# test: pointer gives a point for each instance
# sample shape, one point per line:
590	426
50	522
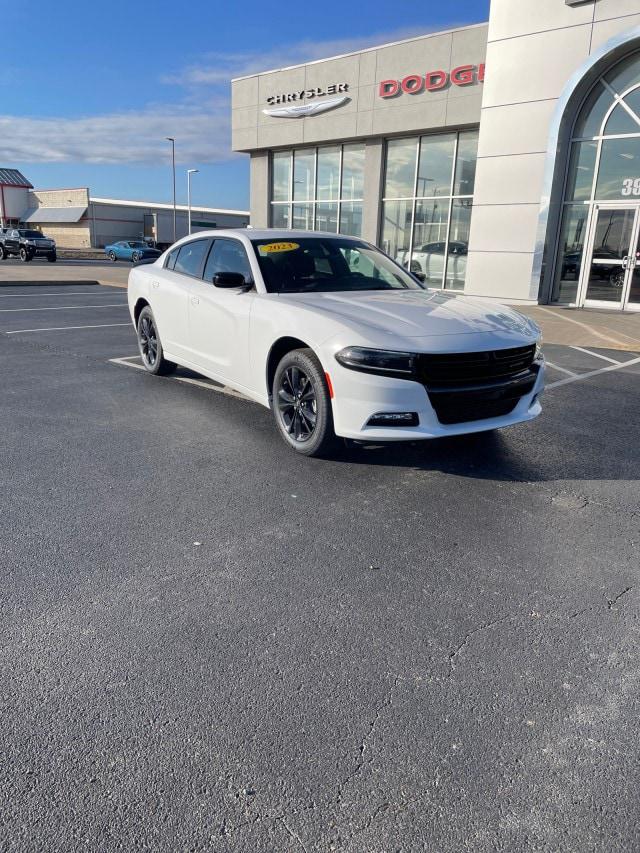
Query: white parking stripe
559	369
64	328
64	293
200	383
593	373
62	308
597	355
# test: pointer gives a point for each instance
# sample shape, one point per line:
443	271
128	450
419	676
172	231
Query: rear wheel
3	254
112	256
301	404
150	345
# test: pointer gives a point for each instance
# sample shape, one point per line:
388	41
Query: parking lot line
580	377
597	355
127	361
61	308
62	295
560	369
64	328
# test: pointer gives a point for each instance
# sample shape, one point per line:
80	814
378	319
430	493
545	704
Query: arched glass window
604	165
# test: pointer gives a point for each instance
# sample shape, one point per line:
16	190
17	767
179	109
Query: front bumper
358	396
41	251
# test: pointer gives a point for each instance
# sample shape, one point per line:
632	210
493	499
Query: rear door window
191	257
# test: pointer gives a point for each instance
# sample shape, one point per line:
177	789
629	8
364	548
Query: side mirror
229	279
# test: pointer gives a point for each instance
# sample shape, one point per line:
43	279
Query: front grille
474	386
467	367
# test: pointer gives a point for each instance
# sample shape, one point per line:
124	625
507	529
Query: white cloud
202	136
200	120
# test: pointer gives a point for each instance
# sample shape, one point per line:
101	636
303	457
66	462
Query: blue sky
90	90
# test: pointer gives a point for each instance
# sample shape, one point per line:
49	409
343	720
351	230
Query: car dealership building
501	159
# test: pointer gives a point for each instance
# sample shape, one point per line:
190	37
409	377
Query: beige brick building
77	220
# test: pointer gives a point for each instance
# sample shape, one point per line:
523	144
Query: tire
150	346
301	404
112	257
135	257
52	258
25	256
3	254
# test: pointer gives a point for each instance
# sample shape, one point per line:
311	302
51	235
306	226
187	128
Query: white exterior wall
535	47
15	200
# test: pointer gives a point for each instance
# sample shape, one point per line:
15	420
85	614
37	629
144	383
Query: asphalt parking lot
210	643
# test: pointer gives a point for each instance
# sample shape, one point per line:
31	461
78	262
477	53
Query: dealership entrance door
611	276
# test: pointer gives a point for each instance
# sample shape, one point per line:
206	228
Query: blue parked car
131	250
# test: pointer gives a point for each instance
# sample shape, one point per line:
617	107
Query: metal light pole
173	166
189	173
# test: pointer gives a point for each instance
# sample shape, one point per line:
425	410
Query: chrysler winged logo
308	109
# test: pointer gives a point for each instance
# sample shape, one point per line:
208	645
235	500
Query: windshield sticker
271	248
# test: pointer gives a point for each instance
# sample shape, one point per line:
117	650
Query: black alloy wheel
297	403
52	258
302	405
150	346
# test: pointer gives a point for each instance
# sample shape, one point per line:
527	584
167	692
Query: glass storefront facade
427	203
602	194
319	188
424	213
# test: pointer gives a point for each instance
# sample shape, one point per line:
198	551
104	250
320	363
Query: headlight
538	353
387	362
30	242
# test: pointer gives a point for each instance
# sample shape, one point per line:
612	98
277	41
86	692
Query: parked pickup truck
26	245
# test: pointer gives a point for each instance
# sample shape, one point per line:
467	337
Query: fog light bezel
393	420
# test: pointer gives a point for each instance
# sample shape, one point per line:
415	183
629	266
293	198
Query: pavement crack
484	627
613	601
362	748
293	834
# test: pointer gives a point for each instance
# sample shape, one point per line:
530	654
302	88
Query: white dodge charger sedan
335	338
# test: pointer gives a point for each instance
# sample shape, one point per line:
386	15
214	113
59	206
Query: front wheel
135	257
150	345
52	258
25	256
302	405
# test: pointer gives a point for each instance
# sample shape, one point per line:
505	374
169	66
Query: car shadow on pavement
497	455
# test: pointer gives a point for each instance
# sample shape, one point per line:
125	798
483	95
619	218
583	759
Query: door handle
195	300
155	284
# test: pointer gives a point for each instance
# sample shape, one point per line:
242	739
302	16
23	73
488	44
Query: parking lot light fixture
189	173
172	140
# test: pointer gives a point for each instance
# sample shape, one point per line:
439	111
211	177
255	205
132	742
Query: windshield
30	233
321	264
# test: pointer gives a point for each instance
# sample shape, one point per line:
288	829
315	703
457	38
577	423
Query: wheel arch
137	308
278	350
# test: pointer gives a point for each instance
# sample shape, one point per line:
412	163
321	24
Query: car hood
416	313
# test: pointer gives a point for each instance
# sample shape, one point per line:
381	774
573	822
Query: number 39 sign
631	186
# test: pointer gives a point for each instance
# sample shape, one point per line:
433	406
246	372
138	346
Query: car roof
269	234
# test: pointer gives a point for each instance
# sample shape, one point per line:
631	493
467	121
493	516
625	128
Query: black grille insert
468	367
474	386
